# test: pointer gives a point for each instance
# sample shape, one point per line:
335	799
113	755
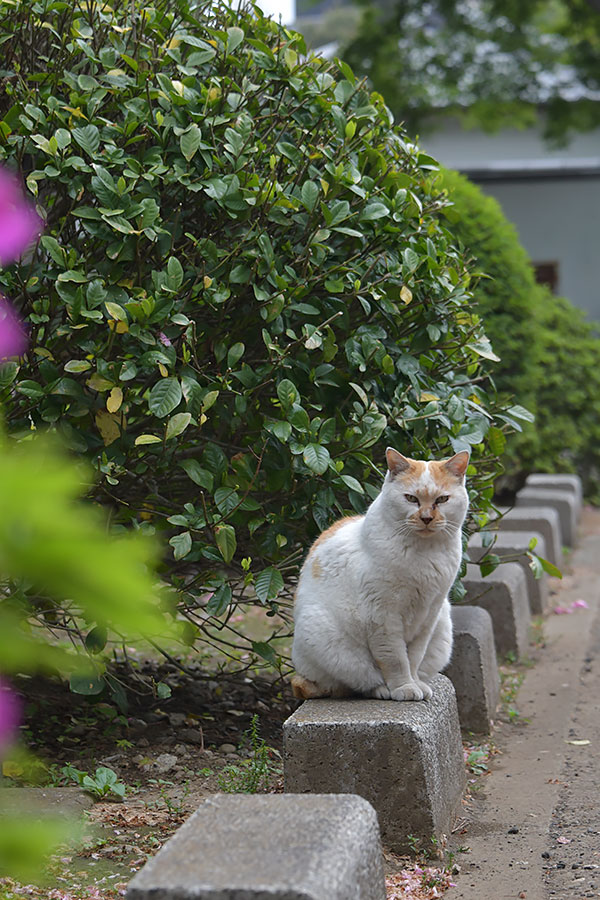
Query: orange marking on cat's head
325	535
399	465
446	472
316	569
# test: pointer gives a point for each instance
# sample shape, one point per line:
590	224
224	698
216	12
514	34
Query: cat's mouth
427	530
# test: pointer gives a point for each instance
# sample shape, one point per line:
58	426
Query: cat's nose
426	519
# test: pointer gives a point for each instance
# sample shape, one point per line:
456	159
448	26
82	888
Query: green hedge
246	288
550	356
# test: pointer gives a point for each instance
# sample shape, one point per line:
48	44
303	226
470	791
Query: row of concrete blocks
360	771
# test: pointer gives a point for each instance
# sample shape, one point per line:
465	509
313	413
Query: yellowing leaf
174	43
207	281
12	769
76	112
98	383
109	426
116	311
406	294
163	370
147	439
177	424
426	397
290	58
122	327
324	186
115	398
209	400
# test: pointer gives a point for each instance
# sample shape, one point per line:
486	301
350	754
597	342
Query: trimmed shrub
245	289
549	355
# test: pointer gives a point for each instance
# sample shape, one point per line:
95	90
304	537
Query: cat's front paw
408	691
427	692
381	692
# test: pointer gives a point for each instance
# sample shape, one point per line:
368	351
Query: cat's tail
304	689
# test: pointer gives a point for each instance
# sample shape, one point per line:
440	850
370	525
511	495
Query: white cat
372	615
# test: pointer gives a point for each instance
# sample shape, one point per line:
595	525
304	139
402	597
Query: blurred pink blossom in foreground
19	226
19	222
13	339
10	715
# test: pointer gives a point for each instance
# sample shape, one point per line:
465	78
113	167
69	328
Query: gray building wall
551	195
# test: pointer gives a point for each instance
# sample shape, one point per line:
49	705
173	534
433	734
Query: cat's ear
397	464
457	465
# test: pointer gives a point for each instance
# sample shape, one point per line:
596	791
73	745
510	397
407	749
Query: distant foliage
245	289
550	356
490	63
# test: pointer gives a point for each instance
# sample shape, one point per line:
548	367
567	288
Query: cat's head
427	498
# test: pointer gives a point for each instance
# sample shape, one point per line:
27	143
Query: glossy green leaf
164	397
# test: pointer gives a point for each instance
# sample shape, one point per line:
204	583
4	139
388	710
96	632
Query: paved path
534	825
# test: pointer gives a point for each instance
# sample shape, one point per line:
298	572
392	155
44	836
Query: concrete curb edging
503	593
541	519
564	502
473	669
515	543
562	481
269	847
406	759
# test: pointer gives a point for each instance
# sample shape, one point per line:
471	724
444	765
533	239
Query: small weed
175	807
104	784
253	774
414	843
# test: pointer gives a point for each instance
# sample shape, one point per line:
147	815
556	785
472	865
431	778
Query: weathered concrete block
269	847
514	544
564	503
562	481
473	669
503	593
541	519
406	759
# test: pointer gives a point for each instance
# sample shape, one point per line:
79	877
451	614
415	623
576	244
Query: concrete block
406	759
269	847
503	593
473	669
564	502
541	519
514	544
561	481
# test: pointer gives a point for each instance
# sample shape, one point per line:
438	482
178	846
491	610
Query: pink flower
164	339
19	222
13	338
10	715
562	611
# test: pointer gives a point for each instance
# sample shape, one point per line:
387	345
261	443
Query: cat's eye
443	499
411	498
